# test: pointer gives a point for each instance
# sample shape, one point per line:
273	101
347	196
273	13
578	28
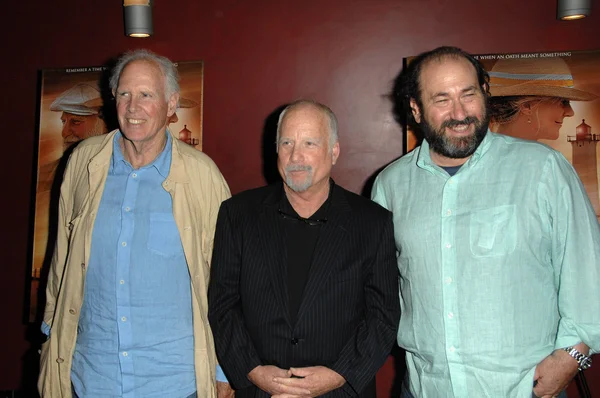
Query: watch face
586	363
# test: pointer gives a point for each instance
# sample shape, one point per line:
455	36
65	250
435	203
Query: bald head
298	105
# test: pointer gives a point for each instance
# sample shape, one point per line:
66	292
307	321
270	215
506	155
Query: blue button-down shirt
135	334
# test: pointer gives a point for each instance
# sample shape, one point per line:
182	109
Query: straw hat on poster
549	77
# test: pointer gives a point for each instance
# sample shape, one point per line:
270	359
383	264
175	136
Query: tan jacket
197	189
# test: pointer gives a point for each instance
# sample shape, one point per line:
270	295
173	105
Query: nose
131	104
296	155
65	130
568	110
458	110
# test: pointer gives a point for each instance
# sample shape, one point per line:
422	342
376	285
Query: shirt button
448	280
450	315
452	349
450	181
59	360
83	265
125	353
448	212
134	175
122	282
127	208
123	244
448	245
123	318
72	311
294	341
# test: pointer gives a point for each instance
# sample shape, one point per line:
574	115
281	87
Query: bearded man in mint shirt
498	246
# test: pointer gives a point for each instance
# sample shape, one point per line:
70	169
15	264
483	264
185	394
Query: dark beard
455	148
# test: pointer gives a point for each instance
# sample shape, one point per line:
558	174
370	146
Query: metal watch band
584	361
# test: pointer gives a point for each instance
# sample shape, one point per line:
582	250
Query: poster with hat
550	97
74	104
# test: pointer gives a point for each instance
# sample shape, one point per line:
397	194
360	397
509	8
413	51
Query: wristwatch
584	361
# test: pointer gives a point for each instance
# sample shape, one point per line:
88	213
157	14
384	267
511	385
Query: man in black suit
303	297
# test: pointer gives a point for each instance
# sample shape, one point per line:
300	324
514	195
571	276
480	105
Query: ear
485	89
526	109
416	112
335	152
172	104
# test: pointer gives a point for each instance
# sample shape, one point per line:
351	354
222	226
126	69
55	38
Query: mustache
298	167
456	123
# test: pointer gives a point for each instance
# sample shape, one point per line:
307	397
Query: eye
76	122
441	101
565	103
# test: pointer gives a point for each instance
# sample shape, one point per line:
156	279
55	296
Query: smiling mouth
135	121
462	128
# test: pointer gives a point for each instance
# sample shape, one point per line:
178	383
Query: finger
290	381
536	374
302	372
290	396
282	388
281	373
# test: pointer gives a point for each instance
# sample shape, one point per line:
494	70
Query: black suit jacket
348	317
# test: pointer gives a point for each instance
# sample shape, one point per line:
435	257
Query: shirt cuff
45	328
221	376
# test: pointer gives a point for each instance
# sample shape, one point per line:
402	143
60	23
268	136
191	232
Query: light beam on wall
568	10
137	16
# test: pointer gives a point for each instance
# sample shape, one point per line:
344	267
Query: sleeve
235	350
575	254
378	193
366	351
220	375
221	192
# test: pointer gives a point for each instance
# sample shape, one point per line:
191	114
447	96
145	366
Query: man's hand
263	377
224	390
554	373
317	380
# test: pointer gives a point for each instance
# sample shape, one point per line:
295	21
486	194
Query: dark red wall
258	55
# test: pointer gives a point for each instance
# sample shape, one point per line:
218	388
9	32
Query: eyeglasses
306	221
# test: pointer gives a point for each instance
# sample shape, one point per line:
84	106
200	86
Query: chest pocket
163	235
493	232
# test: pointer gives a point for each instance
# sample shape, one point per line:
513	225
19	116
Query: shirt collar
424	157
162	163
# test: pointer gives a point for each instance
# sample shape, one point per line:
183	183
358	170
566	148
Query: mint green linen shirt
499	266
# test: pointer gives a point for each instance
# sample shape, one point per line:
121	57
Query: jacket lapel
272	238
326	255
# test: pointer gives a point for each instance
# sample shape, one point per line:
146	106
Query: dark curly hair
407	84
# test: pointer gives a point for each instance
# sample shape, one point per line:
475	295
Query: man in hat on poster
498	246
80	106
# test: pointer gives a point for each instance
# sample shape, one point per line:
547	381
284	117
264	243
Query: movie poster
550	97
74	104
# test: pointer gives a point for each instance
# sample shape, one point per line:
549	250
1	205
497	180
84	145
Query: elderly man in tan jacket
126	310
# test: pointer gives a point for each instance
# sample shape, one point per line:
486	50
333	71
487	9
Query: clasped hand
296	382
